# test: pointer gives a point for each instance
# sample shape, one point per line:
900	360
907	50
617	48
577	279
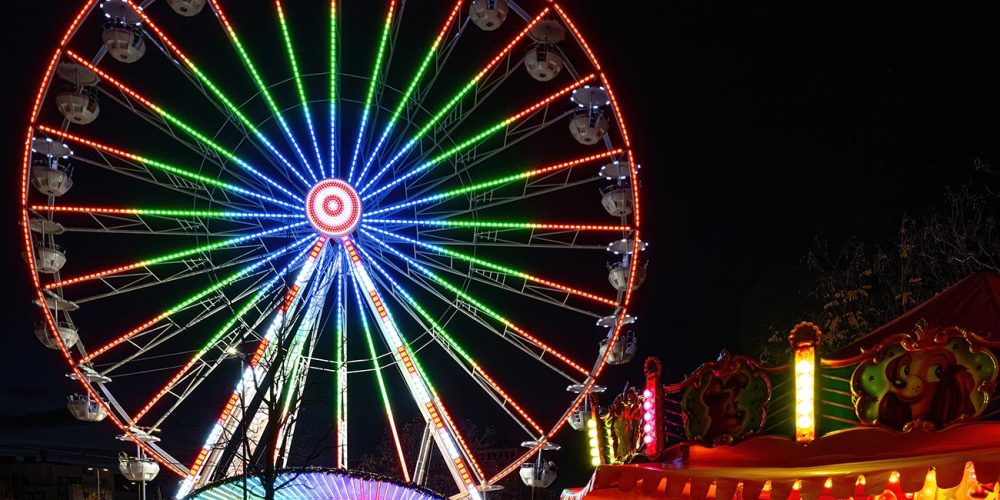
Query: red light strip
26	234
562	92
121	86
579	36
503	53
447	23
572	290
634	264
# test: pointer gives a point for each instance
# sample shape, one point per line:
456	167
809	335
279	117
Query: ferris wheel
433	211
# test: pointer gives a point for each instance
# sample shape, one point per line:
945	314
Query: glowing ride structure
252	257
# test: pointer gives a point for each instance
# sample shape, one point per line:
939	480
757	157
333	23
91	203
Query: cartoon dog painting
927	385
932	378
724	400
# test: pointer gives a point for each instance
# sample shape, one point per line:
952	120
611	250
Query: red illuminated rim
333	208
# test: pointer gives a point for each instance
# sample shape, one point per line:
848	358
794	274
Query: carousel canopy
972	304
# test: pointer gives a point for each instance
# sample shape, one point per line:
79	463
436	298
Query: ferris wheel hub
333	208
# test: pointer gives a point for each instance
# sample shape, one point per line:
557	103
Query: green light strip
333	88
410	89
260	84
286	33
373	82
239	115
386	404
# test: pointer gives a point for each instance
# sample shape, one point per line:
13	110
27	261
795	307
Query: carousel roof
831	466
972	304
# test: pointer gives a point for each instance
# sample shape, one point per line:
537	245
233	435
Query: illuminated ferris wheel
226	215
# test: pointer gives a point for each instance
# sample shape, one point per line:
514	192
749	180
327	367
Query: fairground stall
904	412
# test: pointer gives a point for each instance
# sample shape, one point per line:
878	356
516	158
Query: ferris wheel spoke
300	88
509	325
498	225
441	113
125	283
167	168
180	254
213	341
410	89
221	102
200	137
453	447
492	183
465	361
207	154
209	457
472	141
163	333
169	48
500	268
291	375
165	212
263	89
192	299
461	165
431	287
377	369
372	84
334	69
340	378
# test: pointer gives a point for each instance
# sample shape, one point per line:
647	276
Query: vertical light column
594	436
341	377
652	408
804	338
431	408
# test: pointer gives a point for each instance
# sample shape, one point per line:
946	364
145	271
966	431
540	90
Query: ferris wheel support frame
430	406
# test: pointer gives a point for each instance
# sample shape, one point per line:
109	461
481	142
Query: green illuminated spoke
441	113
211	214
164	167
210	85
378	376
496	267
242	273
261	86
333	88
372	84
478	304
410	89
494	183
454	348
200	137
466	144
285	32
263	291
171	256
498	225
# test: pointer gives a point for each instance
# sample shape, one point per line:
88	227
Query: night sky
759	126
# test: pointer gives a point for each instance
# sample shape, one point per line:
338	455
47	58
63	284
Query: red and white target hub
333	208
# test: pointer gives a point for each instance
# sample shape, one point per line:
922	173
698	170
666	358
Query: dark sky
759	125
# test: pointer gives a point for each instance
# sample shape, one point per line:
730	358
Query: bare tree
859	285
